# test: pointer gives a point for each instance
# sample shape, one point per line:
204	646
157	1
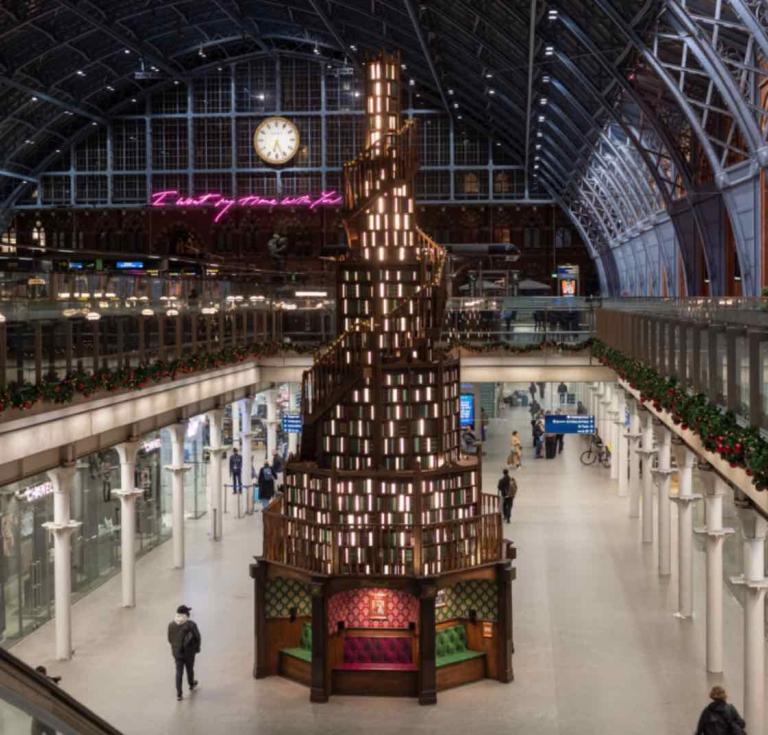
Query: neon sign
222	205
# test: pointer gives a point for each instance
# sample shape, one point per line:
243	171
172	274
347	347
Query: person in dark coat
278	467
719	717
236	471
184	637
507	489
266	482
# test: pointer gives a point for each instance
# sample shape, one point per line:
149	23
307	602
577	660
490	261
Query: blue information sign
569	424
467	409
129	264
292	423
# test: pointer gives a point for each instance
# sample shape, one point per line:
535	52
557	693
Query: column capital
177	431
61	529
715	533
62	476
685	499
178	470
663	472
215	415
753	526
127	495
633	436
218	450
127	451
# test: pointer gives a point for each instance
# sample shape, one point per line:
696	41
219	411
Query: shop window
471	184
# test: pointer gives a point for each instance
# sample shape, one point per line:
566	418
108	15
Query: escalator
30	702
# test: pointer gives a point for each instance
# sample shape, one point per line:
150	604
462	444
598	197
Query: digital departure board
569	424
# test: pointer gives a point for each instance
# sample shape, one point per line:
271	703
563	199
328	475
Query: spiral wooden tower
380	497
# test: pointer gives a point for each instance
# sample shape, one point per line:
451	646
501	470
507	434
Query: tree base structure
384	569
396	637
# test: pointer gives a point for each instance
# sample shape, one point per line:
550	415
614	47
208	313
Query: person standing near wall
720	717
266	482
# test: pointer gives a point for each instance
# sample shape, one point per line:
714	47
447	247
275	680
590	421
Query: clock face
276	140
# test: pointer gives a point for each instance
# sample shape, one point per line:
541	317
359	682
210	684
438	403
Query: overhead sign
292	423
569	424
467	409
223	205
129	264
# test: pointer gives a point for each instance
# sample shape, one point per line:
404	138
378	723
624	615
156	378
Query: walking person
515	451
266	482
562	391
532	390
236	471
184	637
278	467
507	489
719	717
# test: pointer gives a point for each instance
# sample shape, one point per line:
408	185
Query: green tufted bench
304	650
451	646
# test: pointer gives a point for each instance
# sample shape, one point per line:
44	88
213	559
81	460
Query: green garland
501	346
24	396
719	431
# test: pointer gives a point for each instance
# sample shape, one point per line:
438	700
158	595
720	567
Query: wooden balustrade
384	550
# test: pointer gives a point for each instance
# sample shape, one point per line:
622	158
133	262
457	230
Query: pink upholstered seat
377	667
377	650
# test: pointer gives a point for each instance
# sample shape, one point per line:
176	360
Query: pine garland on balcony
718	430
23	396
512	349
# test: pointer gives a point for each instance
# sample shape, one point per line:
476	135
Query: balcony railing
518	321
389	550
718	347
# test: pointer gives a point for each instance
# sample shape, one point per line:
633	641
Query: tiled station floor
597	647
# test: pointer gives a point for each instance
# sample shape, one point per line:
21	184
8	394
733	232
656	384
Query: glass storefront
26	558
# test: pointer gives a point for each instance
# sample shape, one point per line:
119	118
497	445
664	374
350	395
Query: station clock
276	140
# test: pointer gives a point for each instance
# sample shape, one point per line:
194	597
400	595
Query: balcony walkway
597	648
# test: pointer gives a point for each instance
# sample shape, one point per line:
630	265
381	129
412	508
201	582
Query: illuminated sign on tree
223	205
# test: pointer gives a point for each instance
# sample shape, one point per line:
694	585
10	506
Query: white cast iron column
62	526
128	492
177	468
754	528
247	451
684	500
646	452
623	445
663	476
613	431
271	394
633	438
215	479
715	534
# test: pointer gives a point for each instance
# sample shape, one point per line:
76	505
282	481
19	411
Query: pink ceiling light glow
223	205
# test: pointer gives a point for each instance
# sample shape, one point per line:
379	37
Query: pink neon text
223	204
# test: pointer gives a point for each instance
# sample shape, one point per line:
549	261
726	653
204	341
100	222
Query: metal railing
518	321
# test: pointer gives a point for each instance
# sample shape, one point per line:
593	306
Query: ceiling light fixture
549	51
80	73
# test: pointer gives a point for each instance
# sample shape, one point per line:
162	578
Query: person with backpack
266	482
507	489
719	717
184	637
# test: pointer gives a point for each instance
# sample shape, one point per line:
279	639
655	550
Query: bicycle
596	452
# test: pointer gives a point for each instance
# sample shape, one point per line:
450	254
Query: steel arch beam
713	65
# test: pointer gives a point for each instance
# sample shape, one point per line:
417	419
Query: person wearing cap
719	716
184	637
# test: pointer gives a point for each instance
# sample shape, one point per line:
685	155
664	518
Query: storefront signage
292	423
35	492
151	445
223	205
569	424
129	264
